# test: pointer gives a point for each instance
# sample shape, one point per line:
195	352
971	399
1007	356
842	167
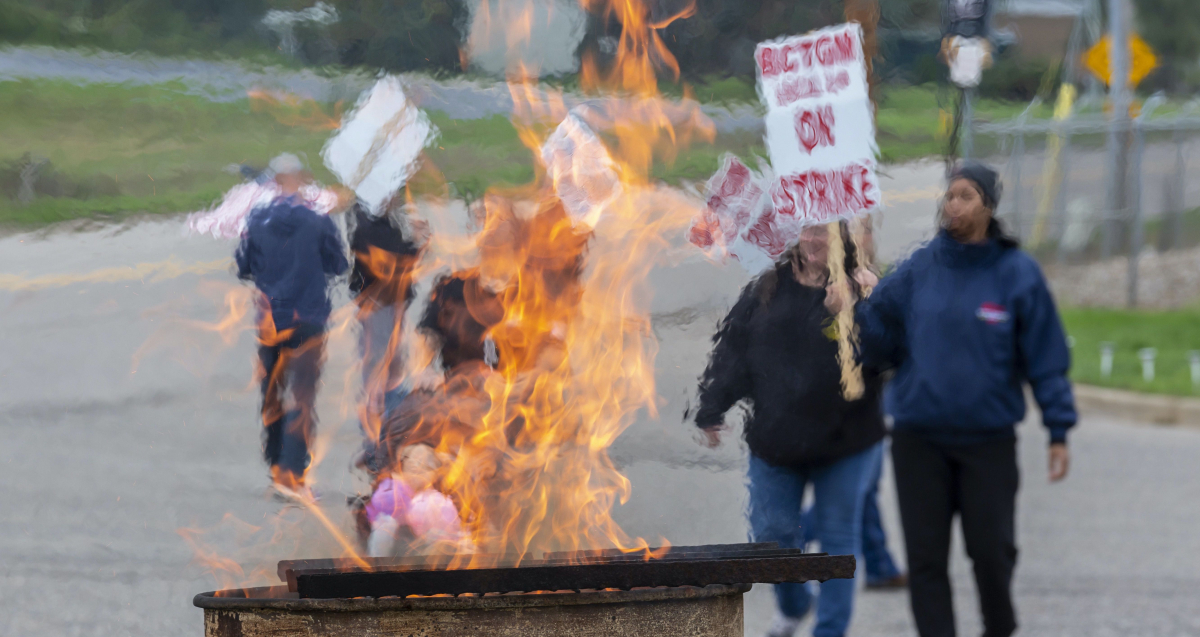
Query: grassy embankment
117	150
1172	333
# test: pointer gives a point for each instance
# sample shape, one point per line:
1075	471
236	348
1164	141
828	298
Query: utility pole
1119	11
965	21
966	144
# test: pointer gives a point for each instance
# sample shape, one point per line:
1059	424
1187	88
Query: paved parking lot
104	462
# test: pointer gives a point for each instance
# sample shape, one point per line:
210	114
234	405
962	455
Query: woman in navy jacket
966	322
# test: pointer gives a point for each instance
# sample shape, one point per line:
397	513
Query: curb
1158	409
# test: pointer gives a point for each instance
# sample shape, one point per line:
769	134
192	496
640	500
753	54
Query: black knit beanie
984	178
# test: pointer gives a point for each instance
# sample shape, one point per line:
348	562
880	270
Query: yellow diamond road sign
1141	59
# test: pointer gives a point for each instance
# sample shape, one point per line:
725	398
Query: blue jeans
378	345
291	365
877	559
776	494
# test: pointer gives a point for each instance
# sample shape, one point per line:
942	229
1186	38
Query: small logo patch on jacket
992	313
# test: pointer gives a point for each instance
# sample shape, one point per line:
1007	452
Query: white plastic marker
379	144
1106	358
1147	355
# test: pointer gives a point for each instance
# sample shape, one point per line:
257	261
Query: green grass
908	120
1172	333
474	154
165	150
159	149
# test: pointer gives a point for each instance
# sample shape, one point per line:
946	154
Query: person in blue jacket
290	253
966	322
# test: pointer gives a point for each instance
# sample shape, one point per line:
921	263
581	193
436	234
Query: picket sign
379	144
583	172
820	134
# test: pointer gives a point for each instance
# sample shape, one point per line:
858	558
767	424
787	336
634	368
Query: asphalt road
126	423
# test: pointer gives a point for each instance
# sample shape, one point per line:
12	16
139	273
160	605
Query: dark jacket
965	326
290	252
383	259
782	356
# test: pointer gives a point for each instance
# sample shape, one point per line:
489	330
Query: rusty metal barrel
691	611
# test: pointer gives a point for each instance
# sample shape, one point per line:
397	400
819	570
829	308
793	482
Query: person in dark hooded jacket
777	349
967	321
386	245
290	252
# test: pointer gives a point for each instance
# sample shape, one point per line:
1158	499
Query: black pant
978	482
291	363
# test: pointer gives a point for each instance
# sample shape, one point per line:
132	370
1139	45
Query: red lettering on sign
845	46
835	82
789	62
825	50
767	234
767	62
736	180
836	49
733	197
731	202
797	88
815	128
806	47
824	195
702	230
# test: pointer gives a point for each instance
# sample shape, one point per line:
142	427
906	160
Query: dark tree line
1172	27
392	34
718	39
720	36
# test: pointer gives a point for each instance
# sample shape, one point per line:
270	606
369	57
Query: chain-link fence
1063	197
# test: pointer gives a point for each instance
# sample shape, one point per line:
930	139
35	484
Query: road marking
912	195
144	272
173	268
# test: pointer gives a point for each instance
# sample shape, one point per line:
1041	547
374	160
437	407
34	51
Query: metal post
967	136
1138	234
1060	202
1135	242
1019	158
1180	189
1119	97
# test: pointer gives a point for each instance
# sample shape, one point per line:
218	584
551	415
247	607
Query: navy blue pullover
966	326
290	252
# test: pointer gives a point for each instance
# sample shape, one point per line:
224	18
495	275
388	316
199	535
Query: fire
565	304
520	445
293	110
194	343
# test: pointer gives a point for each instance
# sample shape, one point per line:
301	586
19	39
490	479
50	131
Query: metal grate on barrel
764	563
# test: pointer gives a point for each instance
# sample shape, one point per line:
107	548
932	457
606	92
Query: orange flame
526	441
522	446
293	110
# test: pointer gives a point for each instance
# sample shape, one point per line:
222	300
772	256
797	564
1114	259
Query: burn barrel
714	610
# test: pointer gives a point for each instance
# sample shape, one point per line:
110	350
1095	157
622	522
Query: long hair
995	230
768	282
